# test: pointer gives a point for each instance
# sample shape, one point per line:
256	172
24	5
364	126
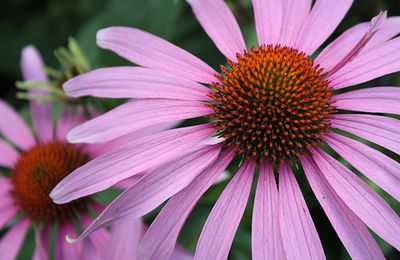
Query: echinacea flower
272	106
33	167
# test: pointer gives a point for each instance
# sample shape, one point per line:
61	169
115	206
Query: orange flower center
38	171
273	103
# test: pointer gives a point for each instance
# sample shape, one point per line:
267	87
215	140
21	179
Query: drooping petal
351	230
324	12
65	250
42	239
219	230
378	61
378	129
268	17
33	70
135	82
265	232
131	159
155	188
295	13
352	43
220	25
12	241
151	51
161	237
378	167
375	100
299	236
124	240
136	115
14	128
9	156
360	198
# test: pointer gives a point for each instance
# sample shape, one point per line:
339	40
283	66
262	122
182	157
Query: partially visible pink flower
36	163
273	107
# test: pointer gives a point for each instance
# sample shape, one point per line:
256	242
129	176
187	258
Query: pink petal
11	242
361	199
266	234
161	237
95	150
180	253
351	43
70	118
295	13
390	29
5	184
65	250
324	12
351	230
14	128
135	82
220	25
379	61
217	235
299	236
124	240
98	239
151	51
268	17
378	129
42	239
9	156
376	100
155	188
130	159
136	115
378	167
33	70
8	210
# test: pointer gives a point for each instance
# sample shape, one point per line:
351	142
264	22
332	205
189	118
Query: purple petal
351	230
161	237
33	70
375	100
378	129
378	167
217	235
299	236
69	119
135	82
268	17
155	188
266	234
180	253
124	240
131	159
14	128
327	12
11	242
360	198
135	115
151	51
295	13
220	25
9	156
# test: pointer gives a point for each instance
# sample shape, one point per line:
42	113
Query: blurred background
47	24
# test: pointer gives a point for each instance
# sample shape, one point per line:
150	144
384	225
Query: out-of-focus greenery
48	24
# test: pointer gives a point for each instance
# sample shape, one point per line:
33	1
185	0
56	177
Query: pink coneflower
273	107
36	165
